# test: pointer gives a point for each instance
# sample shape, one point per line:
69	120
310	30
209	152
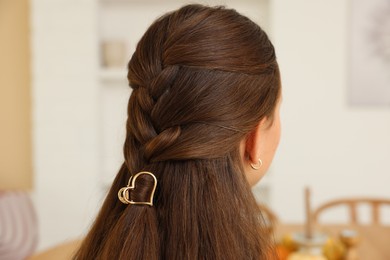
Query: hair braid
152	137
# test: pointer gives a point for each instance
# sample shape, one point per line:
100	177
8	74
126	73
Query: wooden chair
352	204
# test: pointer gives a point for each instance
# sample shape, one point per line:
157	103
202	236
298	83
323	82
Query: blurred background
63	96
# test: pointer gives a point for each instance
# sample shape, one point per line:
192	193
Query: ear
252	148
254	142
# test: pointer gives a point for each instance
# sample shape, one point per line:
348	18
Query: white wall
335	149
65	101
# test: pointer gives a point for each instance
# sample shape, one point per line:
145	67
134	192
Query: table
374	243
63	251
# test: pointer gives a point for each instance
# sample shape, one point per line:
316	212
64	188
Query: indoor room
64	96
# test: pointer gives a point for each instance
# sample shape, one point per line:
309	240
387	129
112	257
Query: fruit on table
282	252
334	249
289	243
305	256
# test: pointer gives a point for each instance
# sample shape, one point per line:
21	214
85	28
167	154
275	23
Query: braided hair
202	79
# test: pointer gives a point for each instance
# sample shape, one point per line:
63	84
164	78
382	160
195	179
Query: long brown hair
202	80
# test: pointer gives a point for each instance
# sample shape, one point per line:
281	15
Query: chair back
352	205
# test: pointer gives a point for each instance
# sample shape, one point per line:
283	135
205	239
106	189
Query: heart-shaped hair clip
124	193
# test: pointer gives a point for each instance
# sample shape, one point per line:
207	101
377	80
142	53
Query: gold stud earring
258	165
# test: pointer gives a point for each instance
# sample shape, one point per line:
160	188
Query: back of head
202	79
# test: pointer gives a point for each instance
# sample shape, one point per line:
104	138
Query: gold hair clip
124	195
